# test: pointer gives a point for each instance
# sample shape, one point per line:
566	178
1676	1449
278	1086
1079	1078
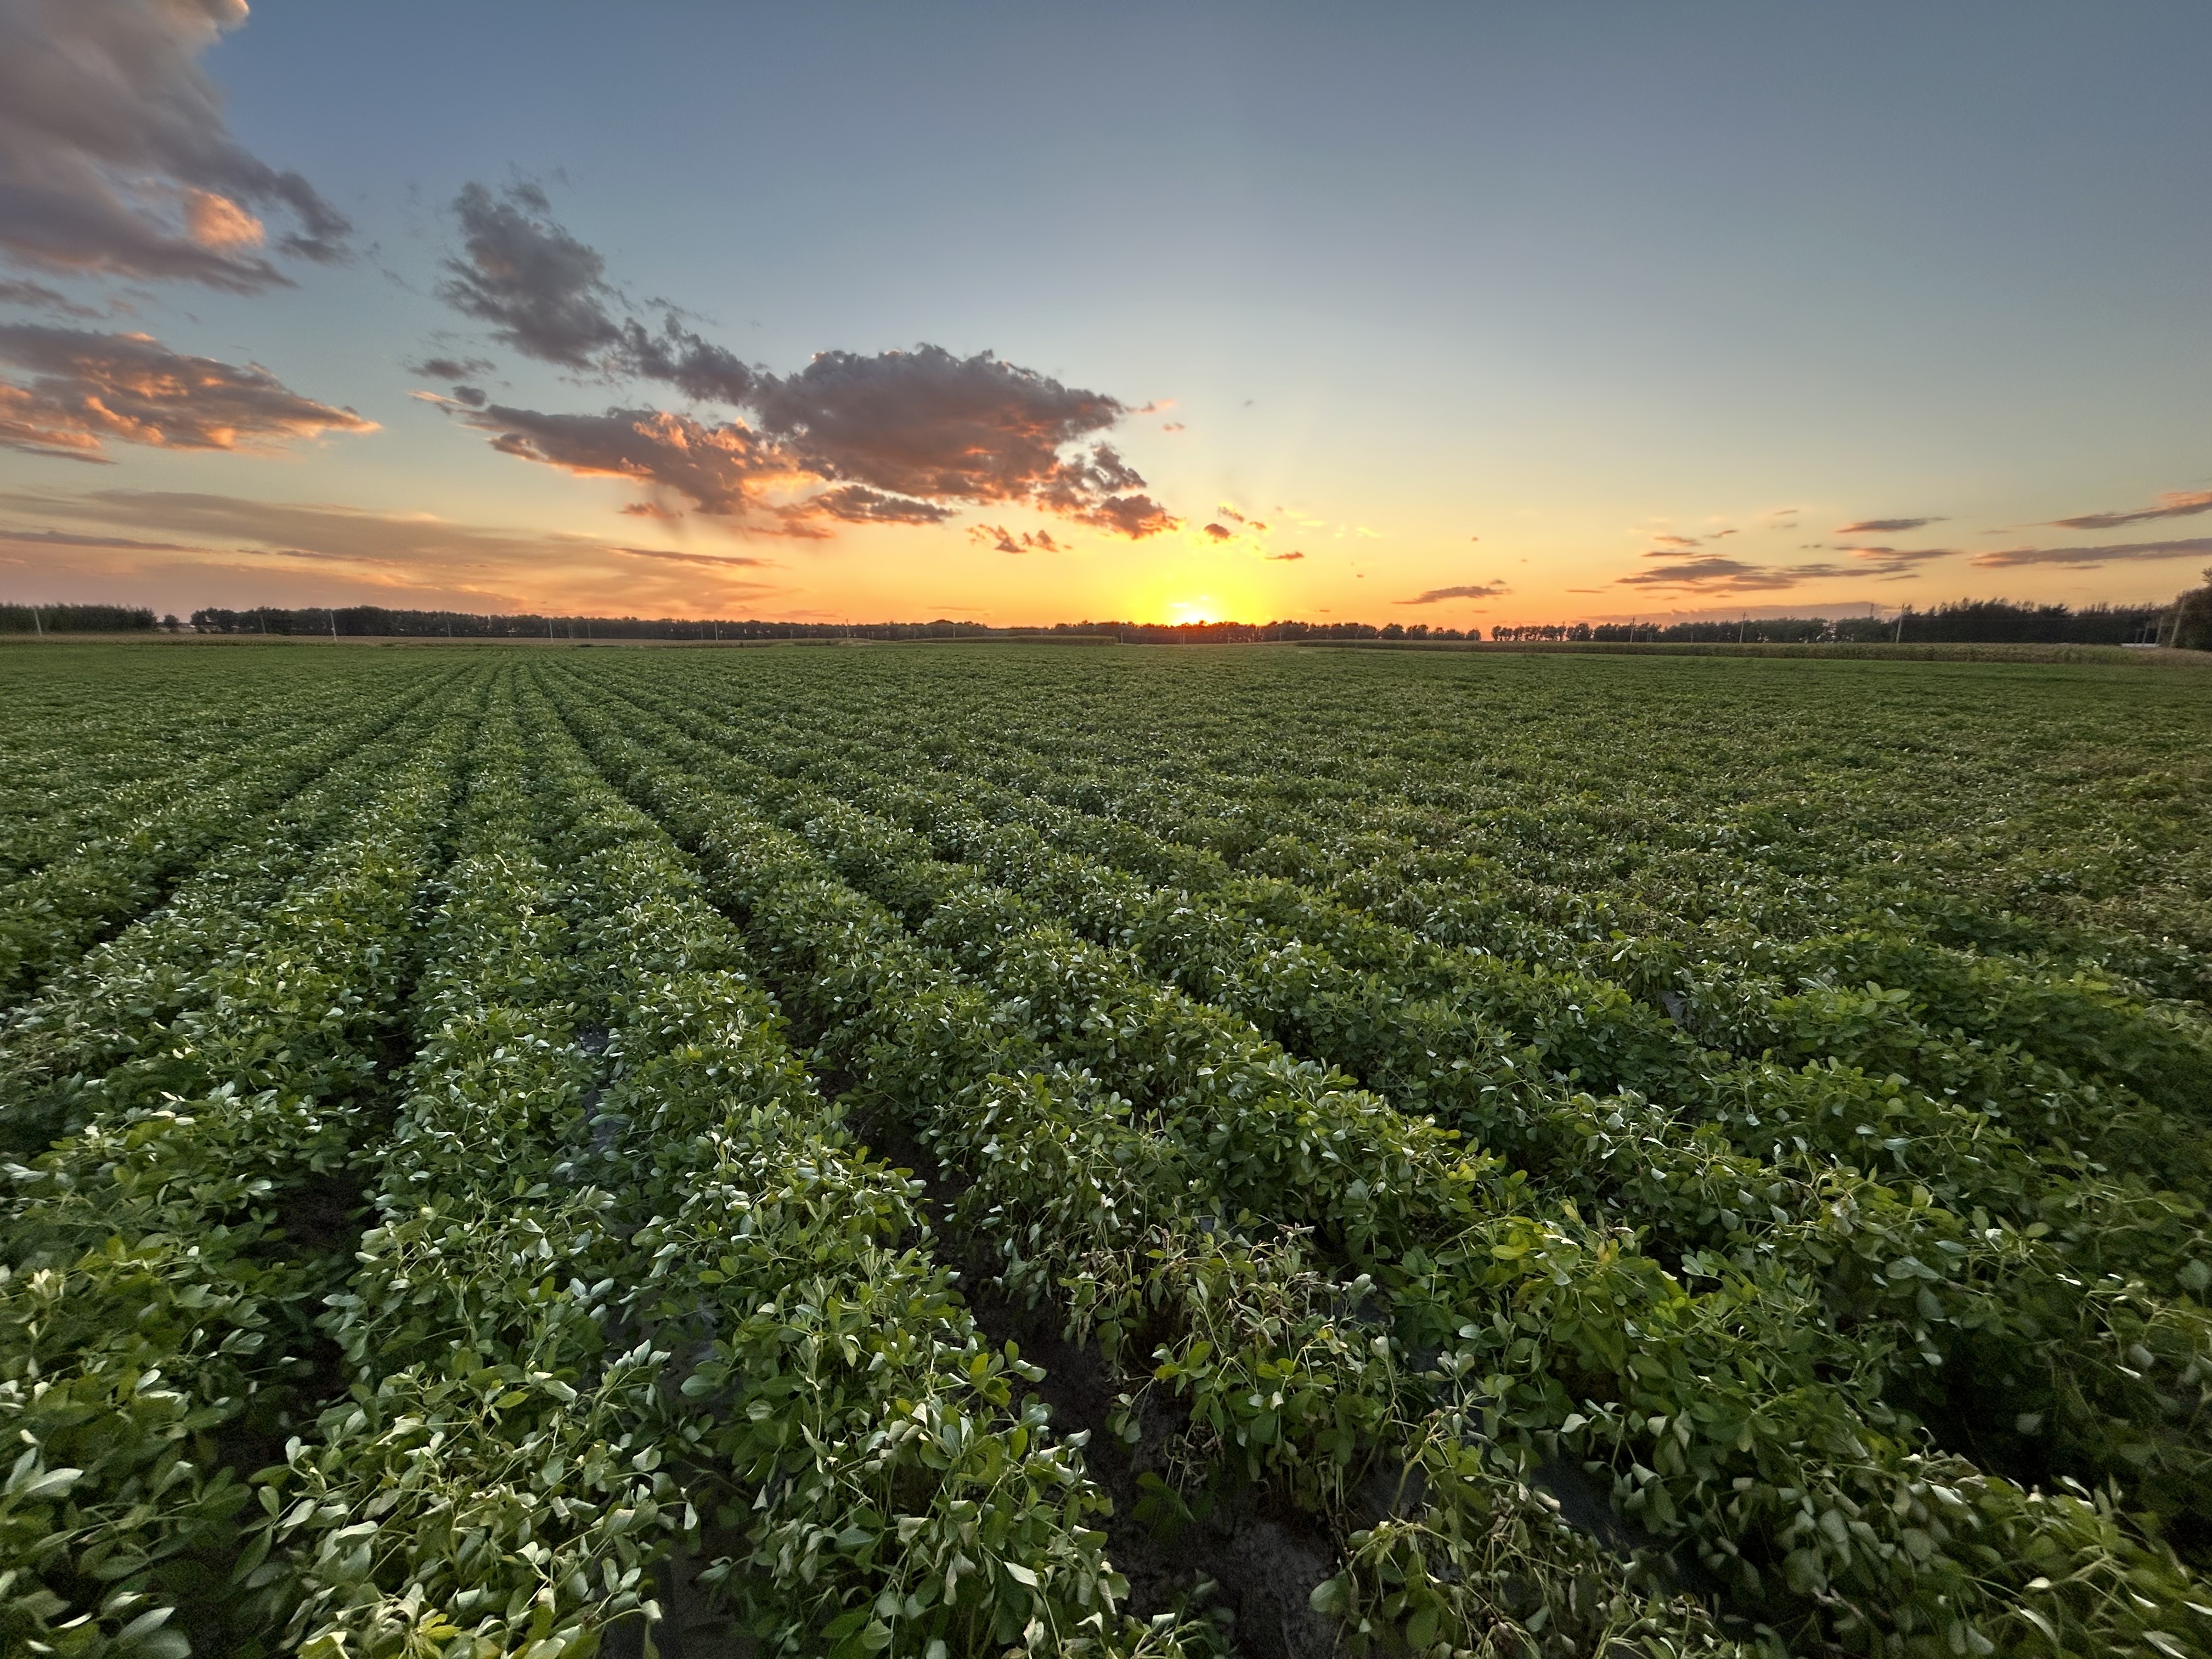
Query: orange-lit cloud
115	158
88	389
902	437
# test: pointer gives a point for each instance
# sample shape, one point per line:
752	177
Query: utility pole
1901	613
334	624
39	626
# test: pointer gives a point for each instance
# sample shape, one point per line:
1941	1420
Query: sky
1468	314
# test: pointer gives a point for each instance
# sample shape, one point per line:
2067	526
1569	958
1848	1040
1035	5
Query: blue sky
1594	310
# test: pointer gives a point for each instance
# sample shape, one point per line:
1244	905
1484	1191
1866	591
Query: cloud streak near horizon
2089	558
897	437
1466	591
392	554
2174	504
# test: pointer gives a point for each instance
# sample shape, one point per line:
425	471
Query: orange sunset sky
1466	316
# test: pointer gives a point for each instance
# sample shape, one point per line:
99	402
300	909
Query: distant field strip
1498	1154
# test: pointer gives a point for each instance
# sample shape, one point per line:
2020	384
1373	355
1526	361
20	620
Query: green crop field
946	1151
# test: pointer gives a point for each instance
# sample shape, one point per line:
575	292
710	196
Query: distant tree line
76	619
356	620
1965	622
2186	622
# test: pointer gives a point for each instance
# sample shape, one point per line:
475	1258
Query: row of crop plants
1734	980
1283	1369
630	1286
164	1263
979	921
86	752
53	915
1805	1000
1638	841
2077	1313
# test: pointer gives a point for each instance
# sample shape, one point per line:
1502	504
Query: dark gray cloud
452	368
115	158
1881	526
37	294
929	424
1712	573
2174	504
722	468
545	293
2084	558
1709	573
86	389
1888	561
894	437
1470	590
859	504
1000	539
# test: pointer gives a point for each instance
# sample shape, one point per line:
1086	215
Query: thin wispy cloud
37	296
393	551
84	390
2174	504
1712	574
1467	591
115	159
1883	526
2089	558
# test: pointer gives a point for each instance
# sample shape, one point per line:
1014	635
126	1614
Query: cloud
43	298
1286	557
115	159
1709	573
86	389
896	436
1890	561
2173	504
2083	557
712	561
1000	539
1878	527
1220	532
1674	542
1472	591
1173	426
723	469
66	538
545	293
451	369
395	558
